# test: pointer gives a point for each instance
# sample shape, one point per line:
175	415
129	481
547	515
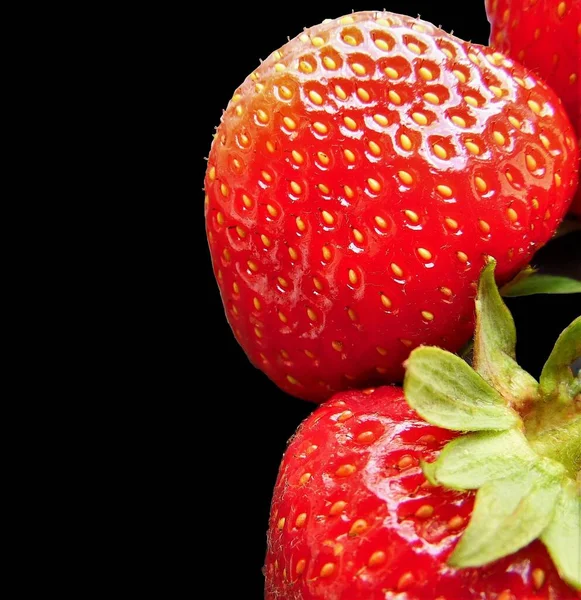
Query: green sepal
445	391
562	537
509	513
557	379
495	344
470	461
539	283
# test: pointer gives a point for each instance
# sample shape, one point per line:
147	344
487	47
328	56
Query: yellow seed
381	44
440	151
445	191
281	523
295	187
345	470
374	185
472	148
480	184
496	91
257	304
299	569
451	223
539	574
427	315
484	226
329	63
344	416
385	300
426	74
257	332
327	569
405	581
499	138
317	41
305	67
289	123
301	520
425	511
534	106
252	266
512	215
572	78
340	92
557	179
531	162
394	97
323	188
282	282
391	73
545	141
374	148
405	177
425	254
353	279
412	216
459	121
509	176
327	217
366	437
358	68
462	257
337	507
349	39
381	222
471	101
405	462
272	211
301	226
459	75
376	559
535	203
282	317
561	9
292	380
220	218
431	98
358	527
381	351
349	155
327	254
420	118
323	158
414	48
474	58
212	173
350	123
336	345
285	92
320	128
358	236
514	122
224	189
352	314
311	314
236	288
405	141
246	201
455	522
262	116
293	253
284	354
397	270
315	97
447	52
380	120
349	192
363	95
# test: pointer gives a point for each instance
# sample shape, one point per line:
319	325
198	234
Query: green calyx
521	449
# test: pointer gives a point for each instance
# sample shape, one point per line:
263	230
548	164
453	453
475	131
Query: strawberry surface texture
357	183
545	36
354	517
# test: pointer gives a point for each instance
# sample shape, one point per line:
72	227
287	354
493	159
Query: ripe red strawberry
354	517
373	502
357	182
545	36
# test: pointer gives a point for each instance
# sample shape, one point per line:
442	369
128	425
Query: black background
248	419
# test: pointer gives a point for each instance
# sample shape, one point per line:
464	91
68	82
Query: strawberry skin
353	516
545	36
357	182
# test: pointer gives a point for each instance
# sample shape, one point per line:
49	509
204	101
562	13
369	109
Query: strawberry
356	184
374	502
545	36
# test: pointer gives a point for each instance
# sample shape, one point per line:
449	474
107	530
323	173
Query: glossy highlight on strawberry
354	517
358	182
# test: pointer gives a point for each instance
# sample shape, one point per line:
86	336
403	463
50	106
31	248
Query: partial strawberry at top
545	36
358	181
